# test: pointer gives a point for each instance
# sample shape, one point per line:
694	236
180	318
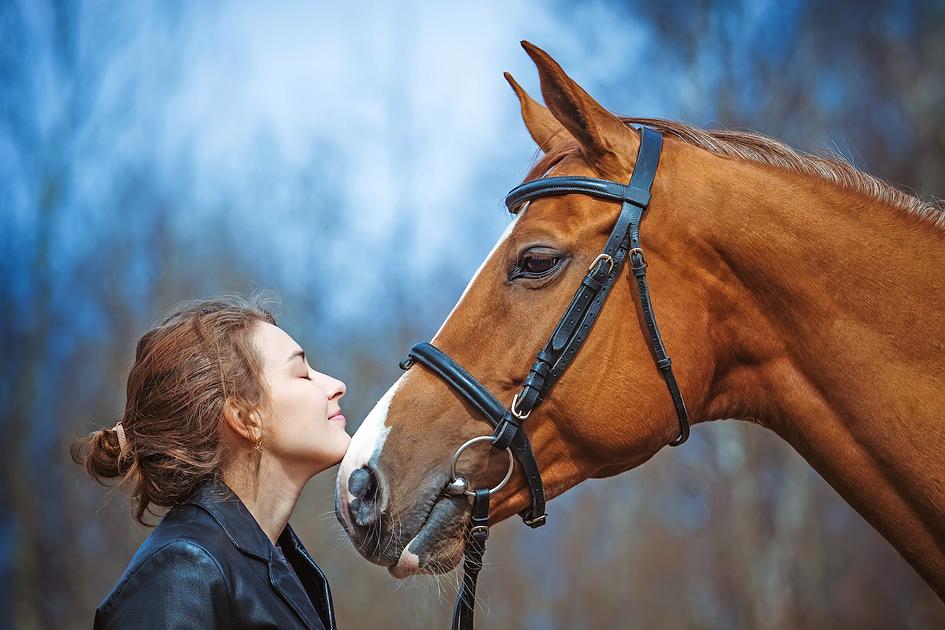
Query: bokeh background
351	158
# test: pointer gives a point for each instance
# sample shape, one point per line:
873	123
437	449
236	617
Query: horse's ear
605	141
544	128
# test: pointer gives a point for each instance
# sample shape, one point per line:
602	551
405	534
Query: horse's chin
438	545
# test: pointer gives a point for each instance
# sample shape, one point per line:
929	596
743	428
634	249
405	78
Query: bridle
557	354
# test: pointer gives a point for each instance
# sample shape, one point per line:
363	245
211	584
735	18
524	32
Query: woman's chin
335	450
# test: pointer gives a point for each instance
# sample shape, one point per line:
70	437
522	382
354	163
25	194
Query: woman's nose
334	387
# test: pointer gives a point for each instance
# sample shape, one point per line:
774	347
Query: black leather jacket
208	564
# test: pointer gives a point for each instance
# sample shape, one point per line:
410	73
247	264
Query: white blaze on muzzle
366	444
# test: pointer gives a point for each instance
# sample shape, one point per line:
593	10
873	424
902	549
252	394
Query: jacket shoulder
174	579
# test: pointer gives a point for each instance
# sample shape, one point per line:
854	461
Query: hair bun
101	454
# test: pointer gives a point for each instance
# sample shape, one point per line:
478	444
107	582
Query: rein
557	354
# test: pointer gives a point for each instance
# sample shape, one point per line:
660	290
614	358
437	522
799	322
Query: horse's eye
536	263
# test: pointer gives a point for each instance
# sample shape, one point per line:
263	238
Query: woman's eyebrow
297	353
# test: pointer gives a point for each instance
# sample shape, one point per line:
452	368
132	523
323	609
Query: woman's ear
243	420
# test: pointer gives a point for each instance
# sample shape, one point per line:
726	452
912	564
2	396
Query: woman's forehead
276	345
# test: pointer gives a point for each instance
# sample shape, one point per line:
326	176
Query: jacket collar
313	579
238	523
244	532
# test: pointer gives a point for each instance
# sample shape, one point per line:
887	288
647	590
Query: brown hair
186	369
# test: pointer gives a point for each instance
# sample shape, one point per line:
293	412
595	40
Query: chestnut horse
792	291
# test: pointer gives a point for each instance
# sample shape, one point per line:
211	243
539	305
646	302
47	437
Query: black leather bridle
558	352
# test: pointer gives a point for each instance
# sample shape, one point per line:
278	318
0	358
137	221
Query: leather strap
588	301
663	363
463	611
600	188
494	412
580	316
636	192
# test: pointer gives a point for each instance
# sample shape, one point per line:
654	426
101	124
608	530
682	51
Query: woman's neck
267	490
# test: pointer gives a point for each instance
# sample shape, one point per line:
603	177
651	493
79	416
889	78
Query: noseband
558	353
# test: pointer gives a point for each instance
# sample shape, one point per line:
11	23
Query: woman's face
306	431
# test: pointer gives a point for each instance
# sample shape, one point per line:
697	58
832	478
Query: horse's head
609	412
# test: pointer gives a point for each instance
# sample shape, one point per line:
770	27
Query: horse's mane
754	147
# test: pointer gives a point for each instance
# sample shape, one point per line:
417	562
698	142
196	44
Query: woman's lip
338	418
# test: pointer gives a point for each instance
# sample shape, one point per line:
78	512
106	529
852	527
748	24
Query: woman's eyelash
307	377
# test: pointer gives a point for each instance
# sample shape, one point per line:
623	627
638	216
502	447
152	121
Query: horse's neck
839	345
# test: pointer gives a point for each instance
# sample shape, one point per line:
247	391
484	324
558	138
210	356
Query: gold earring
258	446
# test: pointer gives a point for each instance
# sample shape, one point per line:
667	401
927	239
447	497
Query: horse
793	291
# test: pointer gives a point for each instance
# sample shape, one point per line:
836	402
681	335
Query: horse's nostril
362	484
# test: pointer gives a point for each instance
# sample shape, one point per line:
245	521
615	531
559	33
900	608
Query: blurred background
352	159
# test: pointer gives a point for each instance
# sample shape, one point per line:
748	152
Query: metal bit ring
454	478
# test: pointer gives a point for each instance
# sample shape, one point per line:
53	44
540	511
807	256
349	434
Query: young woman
225	422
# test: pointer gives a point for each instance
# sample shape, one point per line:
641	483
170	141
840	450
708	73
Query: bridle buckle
479	529
515	412
600	257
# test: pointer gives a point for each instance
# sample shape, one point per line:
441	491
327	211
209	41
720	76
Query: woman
224	424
